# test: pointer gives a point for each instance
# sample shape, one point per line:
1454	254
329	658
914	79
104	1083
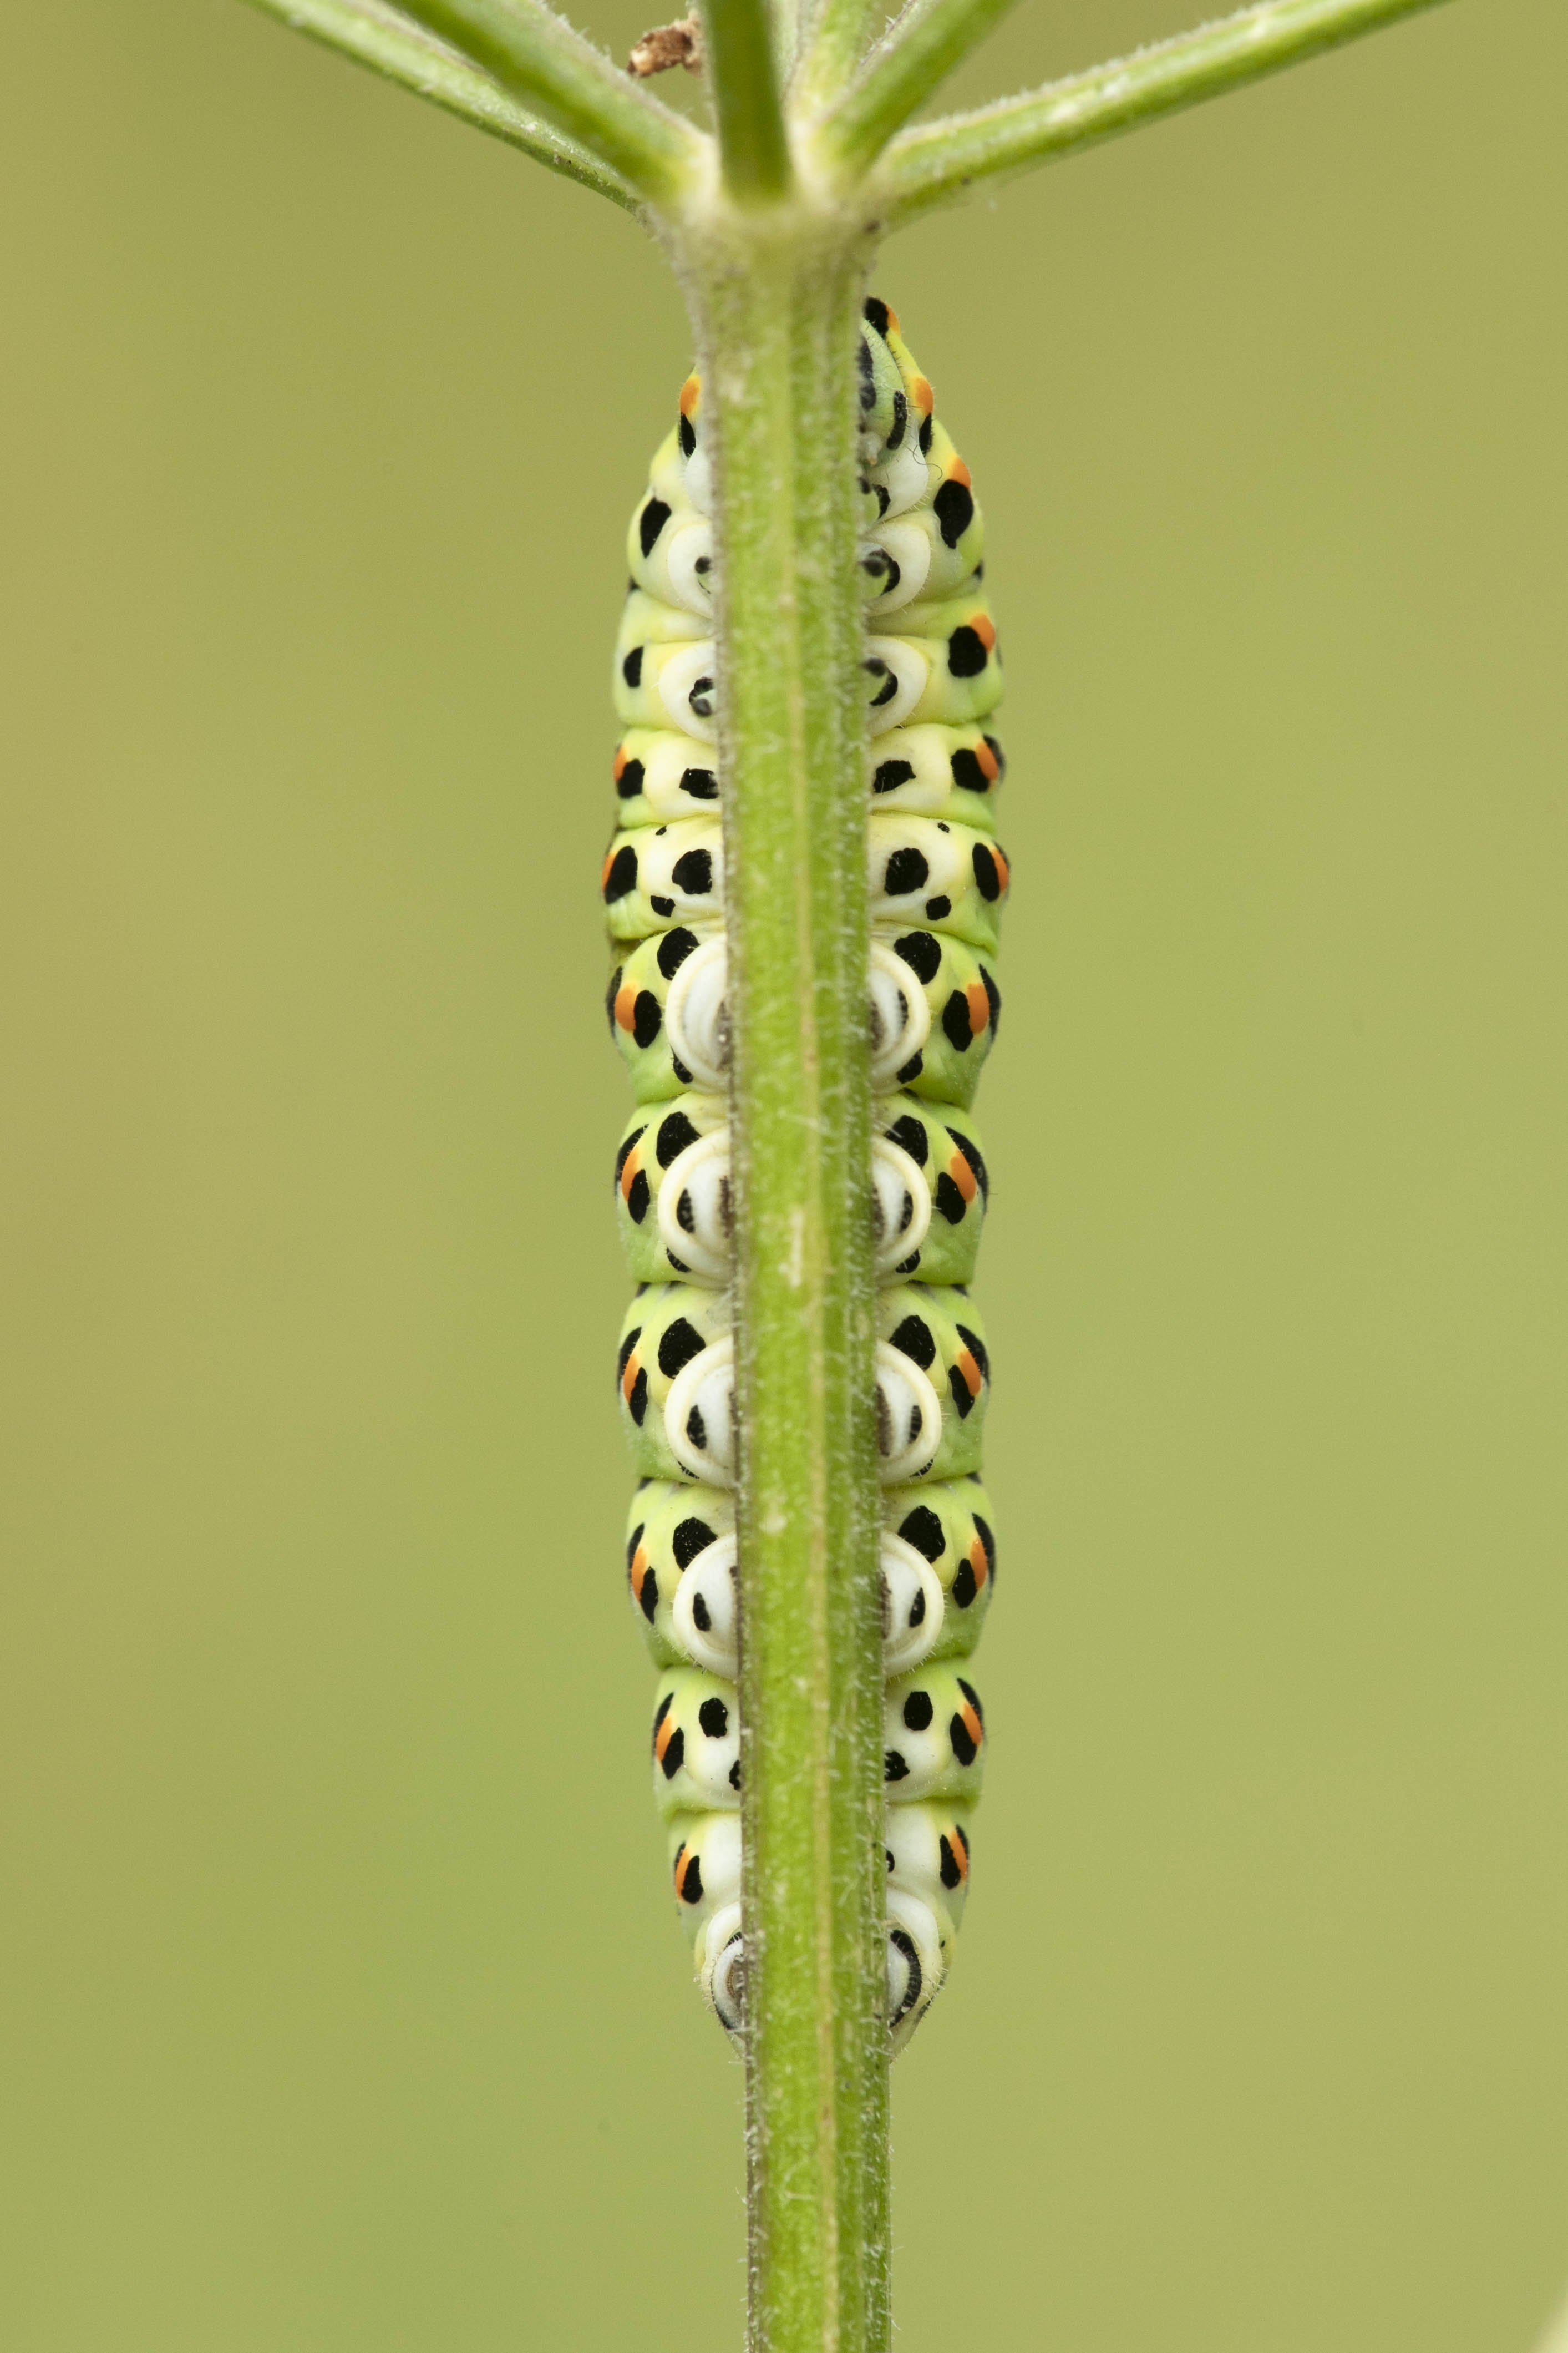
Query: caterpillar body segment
938	1561
931	870
932	1003
954	773
941	772
680	1570
929	1181
927	1857
935	1329
697	1743
937	883
948	1522
934	1734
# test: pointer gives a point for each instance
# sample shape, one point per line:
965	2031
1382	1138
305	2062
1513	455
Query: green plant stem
377	36
913	59
535	54
776	314
753	148
835	44
783	20
937	161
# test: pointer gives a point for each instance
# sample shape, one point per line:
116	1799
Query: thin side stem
377	36
536	54
777	323
753	150
906	64
834	44
937	161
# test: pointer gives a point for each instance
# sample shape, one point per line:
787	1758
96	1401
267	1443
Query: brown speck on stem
667	45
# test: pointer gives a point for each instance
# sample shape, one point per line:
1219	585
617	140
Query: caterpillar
938	879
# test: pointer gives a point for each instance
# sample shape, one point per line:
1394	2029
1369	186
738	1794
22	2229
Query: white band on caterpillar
700	1414
901	1018
913	1606
908	1416
706	1612
694	1207
900	1205
696	1016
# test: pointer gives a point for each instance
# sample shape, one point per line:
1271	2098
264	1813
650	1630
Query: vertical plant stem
753	148
776	319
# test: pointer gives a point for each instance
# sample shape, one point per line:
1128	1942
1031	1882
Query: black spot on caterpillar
651	521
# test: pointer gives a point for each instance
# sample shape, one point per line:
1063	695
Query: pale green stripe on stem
937	161
377	36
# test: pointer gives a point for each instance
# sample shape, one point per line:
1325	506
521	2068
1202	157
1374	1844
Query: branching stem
939	160
533	53
911	61
377	36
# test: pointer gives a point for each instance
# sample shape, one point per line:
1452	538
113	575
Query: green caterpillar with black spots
938	880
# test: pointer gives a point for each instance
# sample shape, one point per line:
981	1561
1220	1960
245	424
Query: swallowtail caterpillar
937	879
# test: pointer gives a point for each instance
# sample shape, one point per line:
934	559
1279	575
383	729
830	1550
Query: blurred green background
342	1997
